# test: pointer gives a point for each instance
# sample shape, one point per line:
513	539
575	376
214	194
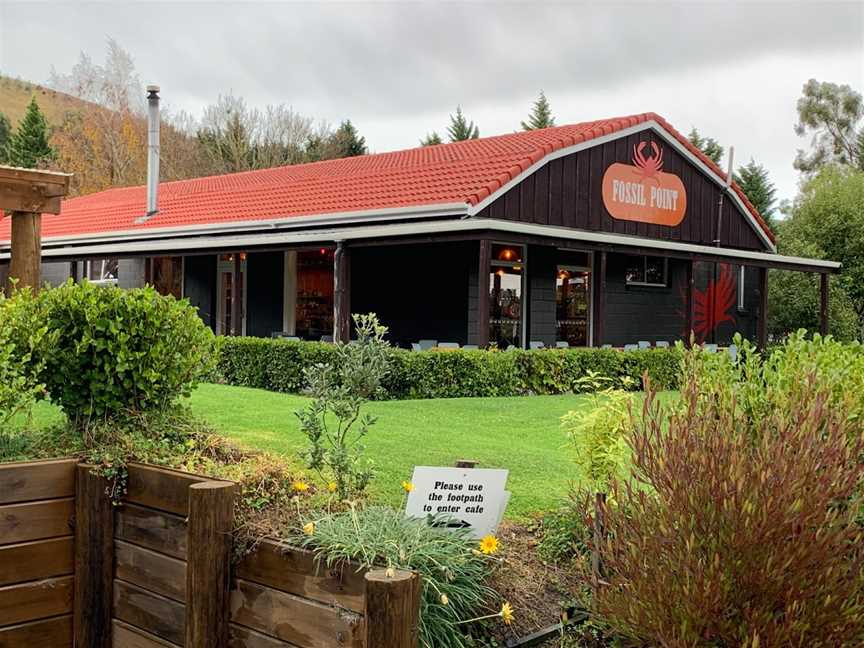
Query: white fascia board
371	232
284	223
638	128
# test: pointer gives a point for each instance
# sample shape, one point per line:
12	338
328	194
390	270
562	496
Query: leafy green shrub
334	421
763	384
597	432
24	340
278	365
121	349
453	572
738	524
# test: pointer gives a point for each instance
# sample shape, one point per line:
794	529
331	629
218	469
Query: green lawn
520	434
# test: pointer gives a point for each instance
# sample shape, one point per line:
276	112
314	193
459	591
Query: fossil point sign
642	191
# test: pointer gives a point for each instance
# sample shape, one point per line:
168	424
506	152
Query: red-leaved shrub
734	531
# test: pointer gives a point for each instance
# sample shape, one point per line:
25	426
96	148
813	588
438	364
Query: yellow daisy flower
407	486
489	545
300	486
507	613
309	528
331	487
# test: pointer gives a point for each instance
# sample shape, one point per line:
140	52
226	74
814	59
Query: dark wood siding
567	192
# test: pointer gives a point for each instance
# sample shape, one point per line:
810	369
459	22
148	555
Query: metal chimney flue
152	150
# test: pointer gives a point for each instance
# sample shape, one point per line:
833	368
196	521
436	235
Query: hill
15	94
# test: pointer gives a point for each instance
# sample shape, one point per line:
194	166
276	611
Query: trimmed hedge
277	365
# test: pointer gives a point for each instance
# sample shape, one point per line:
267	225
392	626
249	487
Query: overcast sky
397	69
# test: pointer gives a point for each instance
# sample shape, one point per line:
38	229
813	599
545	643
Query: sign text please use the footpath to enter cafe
459	498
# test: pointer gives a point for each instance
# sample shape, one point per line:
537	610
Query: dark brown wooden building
608	232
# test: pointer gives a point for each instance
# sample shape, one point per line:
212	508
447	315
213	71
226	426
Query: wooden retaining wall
155	571
37	505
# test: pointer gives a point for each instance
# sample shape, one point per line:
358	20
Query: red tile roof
461	172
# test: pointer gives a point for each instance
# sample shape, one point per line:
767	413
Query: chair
448	345
416	347
536	344
606	346
733	352
470	347
631	347
327	338
644	344
661	344
425	345
711	348
562	344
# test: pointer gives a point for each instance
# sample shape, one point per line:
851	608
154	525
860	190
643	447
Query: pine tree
5	136
541	115
347	142
431	139
460	128
708	145
754	182
29	147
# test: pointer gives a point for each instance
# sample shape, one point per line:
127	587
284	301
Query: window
646	271
102	271
167	275
314	307
741	279
572	304
506	272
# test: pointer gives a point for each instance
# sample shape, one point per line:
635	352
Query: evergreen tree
5	136
29	147
541	115
460	128
347	142
754	182
708	145
431	139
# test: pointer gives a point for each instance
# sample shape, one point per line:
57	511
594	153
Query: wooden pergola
26	194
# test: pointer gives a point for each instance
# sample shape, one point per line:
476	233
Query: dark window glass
507	253
167	275
646	270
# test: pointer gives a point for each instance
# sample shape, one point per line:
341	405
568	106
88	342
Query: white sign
457	498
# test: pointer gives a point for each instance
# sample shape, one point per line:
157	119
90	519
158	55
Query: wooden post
823	303
762	327
237	296
599	327
392	609
26	261
211	521
689	303
27	194
94	560
466	463
341	300
485	258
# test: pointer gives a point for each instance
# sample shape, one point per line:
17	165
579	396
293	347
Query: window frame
742	280
649	284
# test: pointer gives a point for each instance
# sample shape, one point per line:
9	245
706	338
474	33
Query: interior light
323	251
507	254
